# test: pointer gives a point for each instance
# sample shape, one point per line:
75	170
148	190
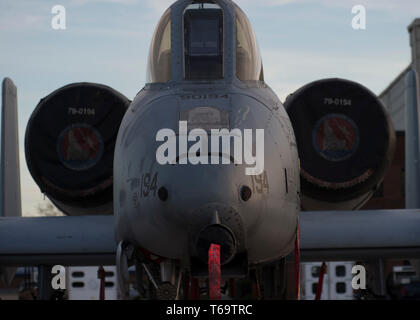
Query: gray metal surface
412	152
153	224
393	97
10	173
360	235
10	198
329	236
69	241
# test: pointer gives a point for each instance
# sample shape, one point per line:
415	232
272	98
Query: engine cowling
69	145
346	143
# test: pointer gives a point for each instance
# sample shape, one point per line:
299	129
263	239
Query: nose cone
216	234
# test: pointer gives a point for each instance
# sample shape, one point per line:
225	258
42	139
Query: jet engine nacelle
69	145
346	143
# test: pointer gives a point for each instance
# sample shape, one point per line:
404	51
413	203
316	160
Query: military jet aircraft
205	173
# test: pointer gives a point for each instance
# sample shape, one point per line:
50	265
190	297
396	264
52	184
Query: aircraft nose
216	234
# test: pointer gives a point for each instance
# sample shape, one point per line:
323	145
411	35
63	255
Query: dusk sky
107	41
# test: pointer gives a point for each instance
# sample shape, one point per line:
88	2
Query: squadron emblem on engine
80	147
336	137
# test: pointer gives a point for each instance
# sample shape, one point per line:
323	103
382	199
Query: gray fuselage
264	226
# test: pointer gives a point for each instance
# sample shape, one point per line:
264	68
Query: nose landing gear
165	287
164	276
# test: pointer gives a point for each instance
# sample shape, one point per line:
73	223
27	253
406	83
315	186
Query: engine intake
69	145
346	143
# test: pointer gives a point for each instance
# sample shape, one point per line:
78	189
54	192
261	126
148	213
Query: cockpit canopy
249	64
204	37
159	67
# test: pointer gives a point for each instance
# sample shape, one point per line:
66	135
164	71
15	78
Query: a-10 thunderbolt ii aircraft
205	172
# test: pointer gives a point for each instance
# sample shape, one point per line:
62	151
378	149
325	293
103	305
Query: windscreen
203	42
248	58
159	65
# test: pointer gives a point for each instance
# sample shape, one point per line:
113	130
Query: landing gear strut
122	269
161	274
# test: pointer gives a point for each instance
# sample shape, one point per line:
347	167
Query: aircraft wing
67	241
360	235
324	236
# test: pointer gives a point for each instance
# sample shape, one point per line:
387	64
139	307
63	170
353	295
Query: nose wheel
166	291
